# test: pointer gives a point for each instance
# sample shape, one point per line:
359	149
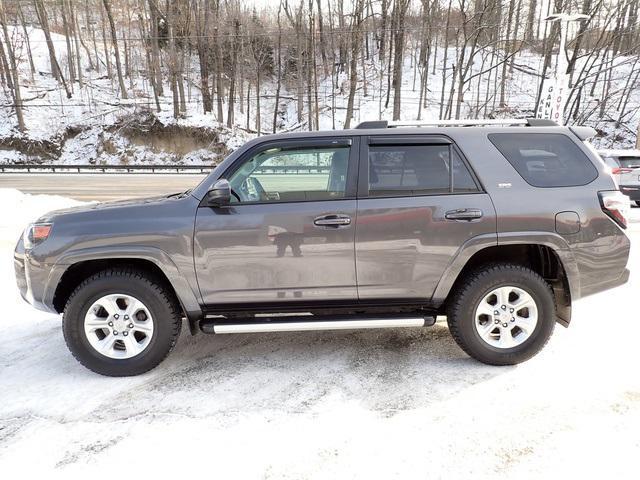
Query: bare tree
114	40
56	72
400	11
15	83
356	25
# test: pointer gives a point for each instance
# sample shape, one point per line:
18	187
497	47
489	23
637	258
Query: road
102	186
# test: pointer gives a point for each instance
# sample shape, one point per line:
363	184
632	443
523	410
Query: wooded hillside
308	64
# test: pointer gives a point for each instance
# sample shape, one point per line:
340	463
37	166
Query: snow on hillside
87	127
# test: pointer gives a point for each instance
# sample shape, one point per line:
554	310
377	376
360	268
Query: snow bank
20	209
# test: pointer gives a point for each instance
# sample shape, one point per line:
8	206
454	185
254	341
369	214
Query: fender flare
157	256
475	244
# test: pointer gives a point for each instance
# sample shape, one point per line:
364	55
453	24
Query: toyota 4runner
499	225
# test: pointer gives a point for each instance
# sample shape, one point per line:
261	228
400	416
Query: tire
474	296
637	203
155	326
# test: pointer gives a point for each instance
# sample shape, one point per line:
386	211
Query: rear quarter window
545	159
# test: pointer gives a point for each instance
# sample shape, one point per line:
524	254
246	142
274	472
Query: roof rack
530	122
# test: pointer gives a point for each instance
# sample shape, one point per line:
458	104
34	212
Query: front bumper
631	191
32	279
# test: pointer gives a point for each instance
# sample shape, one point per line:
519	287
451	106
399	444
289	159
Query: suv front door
288	234
418	203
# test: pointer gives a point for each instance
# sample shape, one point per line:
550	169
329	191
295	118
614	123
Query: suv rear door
418	203
289	232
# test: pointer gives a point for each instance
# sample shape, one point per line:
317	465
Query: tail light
35	234
619	170
617	205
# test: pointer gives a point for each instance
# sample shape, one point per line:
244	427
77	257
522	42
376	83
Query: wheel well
78	272
540	258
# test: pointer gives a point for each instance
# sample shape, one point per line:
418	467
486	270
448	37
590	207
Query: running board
308	323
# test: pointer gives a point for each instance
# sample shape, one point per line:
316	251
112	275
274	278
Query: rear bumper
606	285
631	191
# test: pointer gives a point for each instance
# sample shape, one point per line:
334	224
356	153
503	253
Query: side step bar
311	323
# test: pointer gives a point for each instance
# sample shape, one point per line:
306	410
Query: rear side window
406	170
545	160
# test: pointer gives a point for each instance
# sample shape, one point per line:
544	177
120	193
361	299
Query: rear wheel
637	203
502	314
121	322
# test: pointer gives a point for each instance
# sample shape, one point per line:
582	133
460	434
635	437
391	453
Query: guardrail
162	169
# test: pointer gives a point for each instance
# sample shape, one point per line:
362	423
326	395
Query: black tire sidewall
464	316
162	339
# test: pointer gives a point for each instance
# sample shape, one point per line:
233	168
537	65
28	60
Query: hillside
95	124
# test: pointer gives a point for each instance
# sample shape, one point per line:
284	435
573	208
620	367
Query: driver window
291	175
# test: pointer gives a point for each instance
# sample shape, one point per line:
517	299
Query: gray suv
500	227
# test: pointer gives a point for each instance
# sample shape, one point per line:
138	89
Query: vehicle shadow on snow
383	370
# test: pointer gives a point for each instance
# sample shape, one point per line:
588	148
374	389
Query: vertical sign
553	98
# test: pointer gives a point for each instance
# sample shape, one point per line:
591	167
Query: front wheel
121	322
502	314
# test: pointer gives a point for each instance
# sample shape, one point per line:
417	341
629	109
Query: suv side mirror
219	195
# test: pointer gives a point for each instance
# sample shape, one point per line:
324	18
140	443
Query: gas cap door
567	223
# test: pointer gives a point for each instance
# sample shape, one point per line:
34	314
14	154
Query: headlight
35	234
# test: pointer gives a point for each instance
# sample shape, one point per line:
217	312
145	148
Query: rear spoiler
584	133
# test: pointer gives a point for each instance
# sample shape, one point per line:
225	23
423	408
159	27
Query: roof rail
541	122
372	124
531	122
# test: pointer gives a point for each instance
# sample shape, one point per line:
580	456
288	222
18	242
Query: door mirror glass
219	195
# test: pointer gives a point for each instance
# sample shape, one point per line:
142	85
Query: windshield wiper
180	194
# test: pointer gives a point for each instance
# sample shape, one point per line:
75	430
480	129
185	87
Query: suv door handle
465	214
332	220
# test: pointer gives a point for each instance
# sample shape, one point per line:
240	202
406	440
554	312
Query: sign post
555	90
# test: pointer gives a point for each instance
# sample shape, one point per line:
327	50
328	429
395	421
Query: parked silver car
625	167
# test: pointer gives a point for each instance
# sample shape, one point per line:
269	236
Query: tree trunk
258	119
5	73
114	39
32	67
401	10
507	50
233	74
353	61
173	62
202	32
17	98
55	66
529	32
155	46
76	39
279	79
150	66
44	24
107	55
310	64
67	38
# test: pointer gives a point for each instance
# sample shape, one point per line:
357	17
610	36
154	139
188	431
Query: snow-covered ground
404	403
